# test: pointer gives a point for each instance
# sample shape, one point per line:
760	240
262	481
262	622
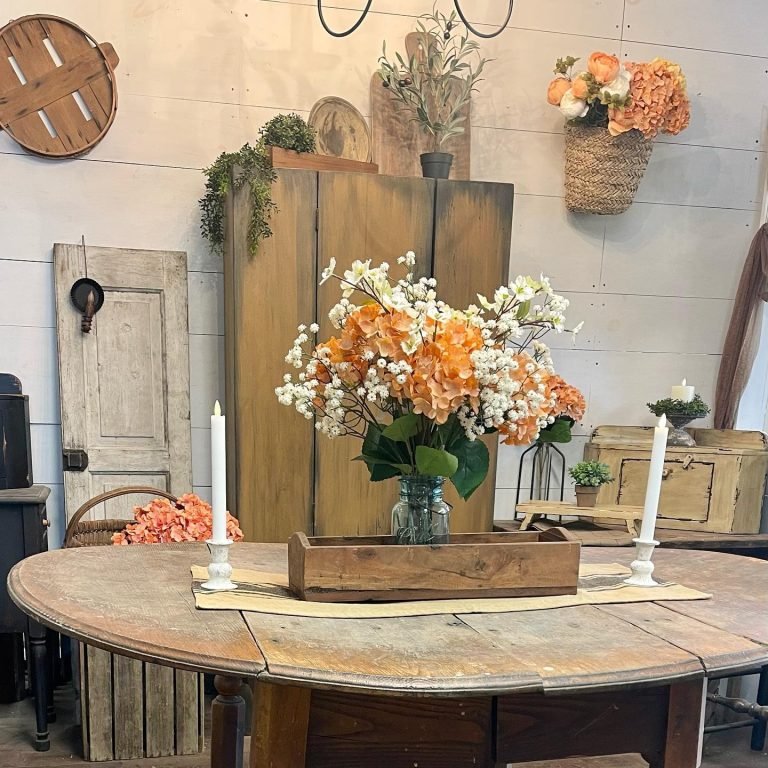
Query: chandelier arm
472	29
346	32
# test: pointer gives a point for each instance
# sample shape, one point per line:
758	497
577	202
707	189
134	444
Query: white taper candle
218	475
655	474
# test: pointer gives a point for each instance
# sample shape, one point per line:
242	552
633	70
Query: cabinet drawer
685	493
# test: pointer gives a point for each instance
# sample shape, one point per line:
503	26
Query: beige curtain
743	332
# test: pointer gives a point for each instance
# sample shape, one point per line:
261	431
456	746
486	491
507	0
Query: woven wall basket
602	172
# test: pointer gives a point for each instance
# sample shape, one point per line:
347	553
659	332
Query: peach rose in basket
579	87
556	90
603	66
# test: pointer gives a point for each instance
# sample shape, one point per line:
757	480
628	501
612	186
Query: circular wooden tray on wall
58	95
341	130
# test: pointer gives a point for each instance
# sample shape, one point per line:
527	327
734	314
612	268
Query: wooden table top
138	601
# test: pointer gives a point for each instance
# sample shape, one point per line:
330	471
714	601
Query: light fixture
367	8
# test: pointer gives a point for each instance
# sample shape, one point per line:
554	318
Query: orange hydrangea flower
162	522
568	400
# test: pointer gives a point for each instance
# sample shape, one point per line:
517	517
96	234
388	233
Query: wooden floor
729	750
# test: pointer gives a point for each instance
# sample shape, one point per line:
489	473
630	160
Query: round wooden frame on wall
351	122
58	94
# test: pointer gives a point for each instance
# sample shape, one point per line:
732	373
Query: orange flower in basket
603	66
556	90
162	522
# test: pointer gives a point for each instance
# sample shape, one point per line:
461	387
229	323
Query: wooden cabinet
717	486
282	477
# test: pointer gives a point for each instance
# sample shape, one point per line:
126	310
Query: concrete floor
726	749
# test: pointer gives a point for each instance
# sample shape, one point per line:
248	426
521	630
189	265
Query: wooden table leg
227	723
39	669
684	724
280	723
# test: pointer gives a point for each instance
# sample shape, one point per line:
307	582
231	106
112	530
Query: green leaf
523	310
406	469
376	446
473	461
400	430
432	461
557	432
382	472
450	432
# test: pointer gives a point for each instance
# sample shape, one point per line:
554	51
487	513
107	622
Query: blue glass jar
421	516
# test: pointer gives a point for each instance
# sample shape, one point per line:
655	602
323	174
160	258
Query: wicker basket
98	533
602	172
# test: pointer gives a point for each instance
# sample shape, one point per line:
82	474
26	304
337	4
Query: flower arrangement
590	474
419	381
163	522
569	408
649	97
693	409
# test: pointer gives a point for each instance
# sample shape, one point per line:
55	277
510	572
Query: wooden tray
474	565
287	158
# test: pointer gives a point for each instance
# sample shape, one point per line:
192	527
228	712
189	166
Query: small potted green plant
589	476
435	84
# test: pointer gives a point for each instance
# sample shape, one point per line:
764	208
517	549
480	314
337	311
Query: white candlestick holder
642	567
219	569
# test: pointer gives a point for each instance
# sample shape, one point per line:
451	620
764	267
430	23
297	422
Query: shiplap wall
654	285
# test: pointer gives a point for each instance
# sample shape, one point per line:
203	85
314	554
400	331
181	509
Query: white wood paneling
201	455
623	382
27	293
46	453
206	303
661	324
547	239
125	205
206	364
532	161
30	354
676	250
203	491
583	307
55	511
713	77
737	26
689	175
513	93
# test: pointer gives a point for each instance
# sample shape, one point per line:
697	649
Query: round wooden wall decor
58	95
341	130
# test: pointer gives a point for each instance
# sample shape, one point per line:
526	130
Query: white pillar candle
218	475
655	474
683	392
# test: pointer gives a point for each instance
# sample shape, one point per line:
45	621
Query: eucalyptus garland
252	168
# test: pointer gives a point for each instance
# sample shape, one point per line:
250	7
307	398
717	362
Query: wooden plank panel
97	691
273	492
362	217
159	721
404	655
128	679
279	732
473	226
187	712
720	651
571	645
383	731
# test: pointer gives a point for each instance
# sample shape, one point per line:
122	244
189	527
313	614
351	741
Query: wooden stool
604	512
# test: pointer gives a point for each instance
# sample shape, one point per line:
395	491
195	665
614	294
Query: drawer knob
45	522
665	473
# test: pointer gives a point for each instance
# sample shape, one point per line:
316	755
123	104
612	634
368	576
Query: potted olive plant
589	476
435	84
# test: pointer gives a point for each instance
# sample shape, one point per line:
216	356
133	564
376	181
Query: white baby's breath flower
327	273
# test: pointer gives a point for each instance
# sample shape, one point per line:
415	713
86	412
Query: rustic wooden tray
354	569
310	161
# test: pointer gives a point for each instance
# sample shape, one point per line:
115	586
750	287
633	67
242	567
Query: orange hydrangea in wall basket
613	111
163	522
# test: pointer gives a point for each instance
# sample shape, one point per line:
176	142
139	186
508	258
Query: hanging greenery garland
254	169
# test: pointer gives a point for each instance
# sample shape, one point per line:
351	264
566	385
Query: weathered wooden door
125	385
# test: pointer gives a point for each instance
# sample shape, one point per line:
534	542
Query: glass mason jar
421	516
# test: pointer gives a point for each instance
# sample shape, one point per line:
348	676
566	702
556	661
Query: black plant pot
436	165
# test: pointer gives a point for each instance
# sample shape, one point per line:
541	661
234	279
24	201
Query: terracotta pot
586	495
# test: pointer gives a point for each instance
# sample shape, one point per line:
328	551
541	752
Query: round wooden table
431	691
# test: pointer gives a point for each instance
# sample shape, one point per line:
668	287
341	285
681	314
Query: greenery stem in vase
419	382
